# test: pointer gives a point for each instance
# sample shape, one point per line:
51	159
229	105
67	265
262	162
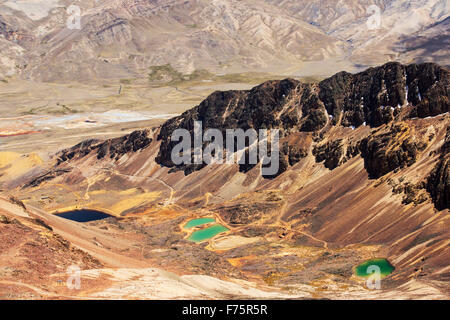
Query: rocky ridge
373	97
382	98
114	148
438	183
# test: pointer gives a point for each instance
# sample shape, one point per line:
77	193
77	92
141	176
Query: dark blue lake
83	215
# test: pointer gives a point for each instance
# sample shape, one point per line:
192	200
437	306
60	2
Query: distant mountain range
120	39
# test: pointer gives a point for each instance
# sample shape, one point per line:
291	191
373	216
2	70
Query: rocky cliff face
331	153
438	183
376	95
389	151
373	97
274	104
113	148
385	98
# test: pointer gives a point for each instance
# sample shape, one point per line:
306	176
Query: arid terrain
361	102
364	174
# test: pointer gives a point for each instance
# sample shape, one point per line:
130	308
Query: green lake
385	266
207	233
198	222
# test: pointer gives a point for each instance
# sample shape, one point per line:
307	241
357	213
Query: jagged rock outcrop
46	176
336	152
296	152
353	149
386	151
114	148
412	192
80	150
117	147
428	89
273	104
438	182
331	152
293	148
374	97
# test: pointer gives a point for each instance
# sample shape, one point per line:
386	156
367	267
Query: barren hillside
364	174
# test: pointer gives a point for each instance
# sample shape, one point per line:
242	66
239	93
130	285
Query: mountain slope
348	191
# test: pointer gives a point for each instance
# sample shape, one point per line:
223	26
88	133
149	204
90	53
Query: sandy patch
13	164
230	242
152	283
